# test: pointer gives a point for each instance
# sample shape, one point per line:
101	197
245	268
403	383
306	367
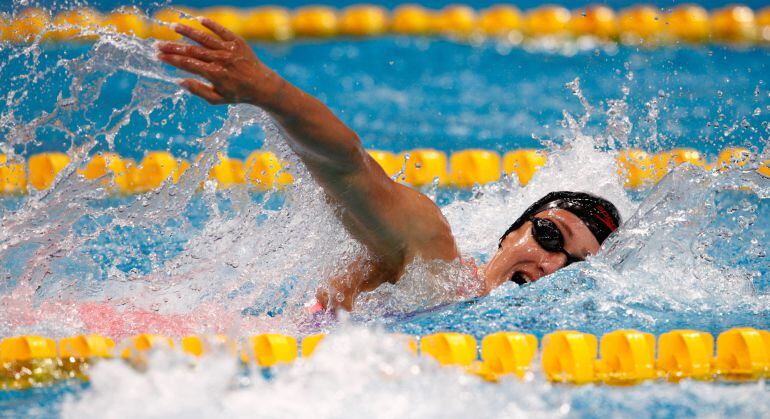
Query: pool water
692	253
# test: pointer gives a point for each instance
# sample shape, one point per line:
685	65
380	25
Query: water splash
691	254
364	372
185	259
88	262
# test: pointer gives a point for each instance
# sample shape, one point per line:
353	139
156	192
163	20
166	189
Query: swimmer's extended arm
395	222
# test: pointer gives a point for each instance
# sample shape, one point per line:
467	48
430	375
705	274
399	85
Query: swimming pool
692	253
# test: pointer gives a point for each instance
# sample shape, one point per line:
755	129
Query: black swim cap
598	214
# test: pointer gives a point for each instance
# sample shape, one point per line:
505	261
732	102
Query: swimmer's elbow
345	159
352	161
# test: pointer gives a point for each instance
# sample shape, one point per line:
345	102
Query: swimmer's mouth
519	278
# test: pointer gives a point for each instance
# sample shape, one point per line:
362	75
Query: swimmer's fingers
218	29
203	90
190	64
200	37
193	51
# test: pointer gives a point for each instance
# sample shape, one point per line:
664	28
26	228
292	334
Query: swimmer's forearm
314	132
236	75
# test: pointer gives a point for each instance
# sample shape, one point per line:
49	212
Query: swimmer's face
520	254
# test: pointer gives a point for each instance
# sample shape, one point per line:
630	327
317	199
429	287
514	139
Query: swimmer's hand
224	59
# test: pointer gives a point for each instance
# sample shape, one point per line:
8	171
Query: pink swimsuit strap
315	307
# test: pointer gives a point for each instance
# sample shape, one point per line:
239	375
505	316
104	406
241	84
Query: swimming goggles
548	236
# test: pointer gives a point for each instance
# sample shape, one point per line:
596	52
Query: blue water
693	253
401	93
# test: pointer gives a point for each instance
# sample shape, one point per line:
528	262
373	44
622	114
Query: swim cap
598	214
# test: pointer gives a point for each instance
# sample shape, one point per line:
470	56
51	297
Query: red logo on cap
605	218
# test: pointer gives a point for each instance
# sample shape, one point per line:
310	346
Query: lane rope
640	24
262	170
620	357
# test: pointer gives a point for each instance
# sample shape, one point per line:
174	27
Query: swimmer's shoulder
428	230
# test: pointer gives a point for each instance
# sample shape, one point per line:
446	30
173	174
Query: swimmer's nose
551	263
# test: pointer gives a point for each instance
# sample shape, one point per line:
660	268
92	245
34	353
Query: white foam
359	372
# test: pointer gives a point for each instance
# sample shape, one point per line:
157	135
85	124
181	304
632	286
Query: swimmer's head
559	229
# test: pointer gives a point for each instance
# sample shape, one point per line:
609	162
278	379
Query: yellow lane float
597	20
44	167
136	347
86	346
310	343
743	354
733	157
548	20
25	348
500	20
198	346
13	176
264	171
165	18
569	357
424	166
663	162
315	21
763	24
27	25
410	341
688	22
523	163
390	162
228	172
364	20
685	354
127	20
764	168
75	25
636	168
411	19
156	167
270	23
28	361
449	348
455	20
734	24
627	357
470	167
270	348
508	352
229	17
640	23
103	163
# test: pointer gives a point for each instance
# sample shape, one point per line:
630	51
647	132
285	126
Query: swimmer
396	224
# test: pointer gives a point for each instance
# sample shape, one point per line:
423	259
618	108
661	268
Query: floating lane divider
421	167
620	357
634	25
